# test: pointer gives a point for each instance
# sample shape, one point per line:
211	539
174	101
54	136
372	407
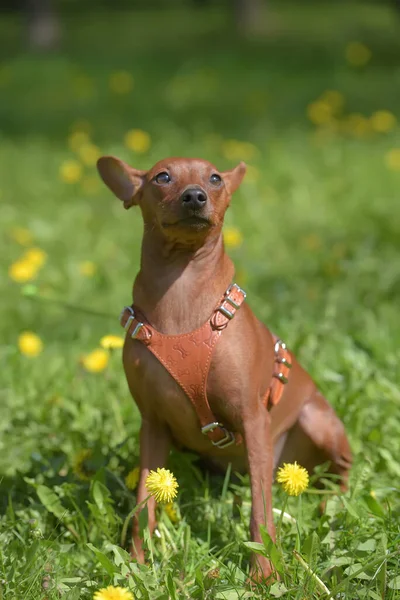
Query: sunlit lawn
314	231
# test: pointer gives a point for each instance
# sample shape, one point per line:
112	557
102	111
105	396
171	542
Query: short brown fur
184	273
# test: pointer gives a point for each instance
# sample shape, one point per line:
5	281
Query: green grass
320	263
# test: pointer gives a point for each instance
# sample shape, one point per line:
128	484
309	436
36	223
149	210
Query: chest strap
187	358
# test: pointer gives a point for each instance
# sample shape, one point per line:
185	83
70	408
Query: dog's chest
159	396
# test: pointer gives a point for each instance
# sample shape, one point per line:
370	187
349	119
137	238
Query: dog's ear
234	177
124	181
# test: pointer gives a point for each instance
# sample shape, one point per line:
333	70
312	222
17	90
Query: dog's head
184	198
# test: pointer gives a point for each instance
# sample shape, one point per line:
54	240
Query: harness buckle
227	298
135	332
130	318
129	321
228	440
239	290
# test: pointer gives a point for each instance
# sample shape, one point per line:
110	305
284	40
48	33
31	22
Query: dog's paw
262	571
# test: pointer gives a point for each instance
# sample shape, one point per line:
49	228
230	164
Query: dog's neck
178	287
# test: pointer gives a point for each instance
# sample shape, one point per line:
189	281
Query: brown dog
244	400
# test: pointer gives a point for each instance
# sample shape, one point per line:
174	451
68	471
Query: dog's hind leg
317	437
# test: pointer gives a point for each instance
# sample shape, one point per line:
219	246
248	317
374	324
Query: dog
206	374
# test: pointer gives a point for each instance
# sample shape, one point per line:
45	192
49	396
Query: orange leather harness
187	358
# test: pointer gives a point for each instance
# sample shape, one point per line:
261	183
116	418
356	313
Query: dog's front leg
260	460
155	443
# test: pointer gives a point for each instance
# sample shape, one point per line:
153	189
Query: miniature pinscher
206	374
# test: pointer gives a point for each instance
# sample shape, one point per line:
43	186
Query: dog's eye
162	178
215	179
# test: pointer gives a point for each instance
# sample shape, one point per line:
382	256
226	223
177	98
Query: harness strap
280	375
187	358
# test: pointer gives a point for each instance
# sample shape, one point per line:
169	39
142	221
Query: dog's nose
194	198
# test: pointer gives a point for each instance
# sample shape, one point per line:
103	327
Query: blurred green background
307	93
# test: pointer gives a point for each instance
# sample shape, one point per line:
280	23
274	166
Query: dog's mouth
194	221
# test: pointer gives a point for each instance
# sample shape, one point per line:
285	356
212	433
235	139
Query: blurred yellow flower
79	466
90	185
21	235
236	150
334	98
162	485
312	241
356	124
320	112
95	361
22	271
30	344
89	153
78	139
137	140
111	342
171	512
233	238
392	159
35	256
132	479
357	54
113	593
294	478
71	171
121	82
383	121
87	268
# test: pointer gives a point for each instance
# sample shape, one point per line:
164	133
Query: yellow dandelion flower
78	139
357	54
132	479
95	361
319	112
162	485
121	82
383	121
334	98
70	171
113	593
90	185
35	256
87	268
392	159
171	512
79	466
22	271
112	342
294	478
233	238
21	235
30	344
89	153
137	140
